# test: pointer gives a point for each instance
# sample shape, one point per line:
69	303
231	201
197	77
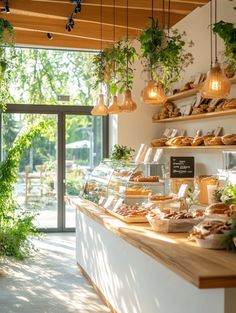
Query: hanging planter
227	31
113	70
6	40
163	55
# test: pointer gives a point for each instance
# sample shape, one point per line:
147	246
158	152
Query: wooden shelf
196	116
191	92
222	147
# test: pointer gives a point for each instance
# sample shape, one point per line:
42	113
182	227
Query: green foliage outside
16	223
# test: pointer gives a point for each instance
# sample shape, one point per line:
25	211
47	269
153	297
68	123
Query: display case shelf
196	116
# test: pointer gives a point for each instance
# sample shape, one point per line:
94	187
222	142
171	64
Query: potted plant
227	31
122	153
163	54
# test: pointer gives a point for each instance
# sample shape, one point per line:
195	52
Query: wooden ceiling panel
36	18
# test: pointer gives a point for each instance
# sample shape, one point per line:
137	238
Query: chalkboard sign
181	167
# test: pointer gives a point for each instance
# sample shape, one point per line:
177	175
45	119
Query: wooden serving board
134	219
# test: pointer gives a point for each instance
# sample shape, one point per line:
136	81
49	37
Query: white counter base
133	282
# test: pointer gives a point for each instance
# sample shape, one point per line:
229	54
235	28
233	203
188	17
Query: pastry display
137	191
144	179
160	197
135	175
229	139
131	210
180	141
177	221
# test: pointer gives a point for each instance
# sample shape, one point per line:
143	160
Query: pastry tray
130	219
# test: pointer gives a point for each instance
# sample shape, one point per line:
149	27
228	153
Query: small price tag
118	204
183	190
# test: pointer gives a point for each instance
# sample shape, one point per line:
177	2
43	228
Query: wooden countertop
201	267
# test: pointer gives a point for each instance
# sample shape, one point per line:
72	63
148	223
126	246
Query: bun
213	141
198	141
217	208
160	142
229	139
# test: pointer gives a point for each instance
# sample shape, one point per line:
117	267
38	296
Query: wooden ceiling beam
81	29
37	39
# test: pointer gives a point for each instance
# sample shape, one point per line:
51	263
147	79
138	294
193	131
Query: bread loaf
217	208
229	139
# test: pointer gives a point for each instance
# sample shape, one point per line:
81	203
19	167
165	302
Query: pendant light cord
163	14
216	48
152	39
169	18
101	18
114	34
211	39
127	44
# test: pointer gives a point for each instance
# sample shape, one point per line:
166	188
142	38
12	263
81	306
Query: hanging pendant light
217	85
128	105
100	109
153	92
115	107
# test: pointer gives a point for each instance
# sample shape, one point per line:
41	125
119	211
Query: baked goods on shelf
135	175
217	208
147	179
229	139
137	191
230	105
160	142
197	141
179	141
213	141
160	197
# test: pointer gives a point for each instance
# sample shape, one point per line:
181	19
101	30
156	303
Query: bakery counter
138	270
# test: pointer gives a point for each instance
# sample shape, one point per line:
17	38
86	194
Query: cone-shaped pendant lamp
114	108
217	85
128	105
153	92
100	109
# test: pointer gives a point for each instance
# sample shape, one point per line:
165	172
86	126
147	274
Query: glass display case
130	182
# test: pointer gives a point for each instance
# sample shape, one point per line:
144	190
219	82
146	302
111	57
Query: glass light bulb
100	109
217	85
153	94
114	108
128	105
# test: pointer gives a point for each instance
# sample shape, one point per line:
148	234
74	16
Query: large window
56	165
40	76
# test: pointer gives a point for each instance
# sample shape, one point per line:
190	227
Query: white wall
136	128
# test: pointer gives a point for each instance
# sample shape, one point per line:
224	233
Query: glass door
36	187
83	151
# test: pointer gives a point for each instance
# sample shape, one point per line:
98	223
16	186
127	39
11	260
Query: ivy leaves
227	32
112	70
163	55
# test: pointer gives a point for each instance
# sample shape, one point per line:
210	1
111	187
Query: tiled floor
48	283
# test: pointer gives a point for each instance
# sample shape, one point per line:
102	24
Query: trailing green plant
163	53
122	153
16	223
227	31
6	40
228	194
110	67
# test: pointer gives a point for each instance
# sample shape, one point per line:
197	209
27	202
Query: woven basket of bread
229	139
